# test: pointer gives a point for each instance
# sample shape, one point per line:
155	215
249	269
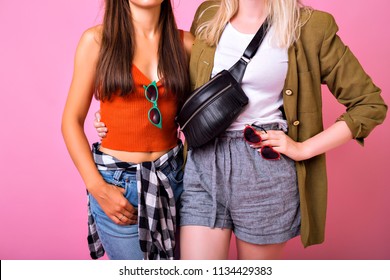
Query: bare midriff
133	157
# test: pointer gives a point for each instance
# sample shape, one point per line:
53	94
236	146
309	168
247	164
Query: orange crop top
126	118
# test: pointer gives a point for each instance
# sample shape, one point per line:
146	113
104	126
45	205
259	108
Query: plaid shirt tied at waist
156	205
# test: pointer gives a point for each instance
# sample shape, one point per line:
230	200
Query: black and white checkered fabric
156	206
95	246
156	209
107	162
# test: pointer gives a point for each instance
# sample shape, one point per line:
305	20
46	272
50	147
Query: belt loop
173	163
117	176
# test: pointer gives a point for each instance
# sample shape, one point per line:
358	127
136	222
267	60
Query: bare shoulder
89	45
92	37
188	40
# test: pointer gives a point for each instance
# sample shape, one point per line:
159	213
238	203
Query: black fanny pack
211	108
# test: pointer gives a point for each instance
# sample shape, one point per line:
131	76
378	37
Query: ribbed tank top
126	118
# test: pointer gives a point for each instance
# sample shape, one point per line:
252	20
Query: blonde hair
283	15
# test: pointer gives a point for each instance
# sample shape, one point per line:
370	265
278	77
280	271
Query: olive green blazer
317	57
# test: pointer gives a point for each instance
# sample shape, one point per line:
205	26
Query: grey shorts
228	184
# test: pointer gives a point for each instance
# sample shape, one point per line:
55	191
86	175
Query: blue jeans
121	242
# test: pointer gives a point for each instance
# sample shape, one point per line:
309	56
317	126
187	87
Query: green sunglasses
154	114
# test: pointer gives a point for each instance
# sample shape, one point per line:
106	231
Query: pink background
42	199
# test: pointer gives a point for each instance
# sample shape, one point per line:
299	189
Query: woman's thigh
204	243
249	251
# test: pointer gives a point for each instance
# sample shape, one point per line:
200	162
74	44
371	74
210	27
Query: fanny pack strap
238	69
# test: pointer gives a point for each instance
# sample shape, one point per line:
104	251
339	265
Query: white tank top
263	80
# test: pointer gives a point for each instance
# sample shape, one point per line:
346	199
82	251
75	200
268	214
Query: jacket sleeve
350	84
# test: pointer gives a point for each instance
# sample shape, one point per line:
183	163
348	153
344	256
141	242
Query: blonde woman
269	184
264	179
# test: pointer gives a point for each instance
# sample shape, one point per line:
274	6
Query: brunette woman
136	64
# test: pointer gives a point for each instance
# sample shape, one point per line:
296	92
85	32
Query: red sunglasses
253	137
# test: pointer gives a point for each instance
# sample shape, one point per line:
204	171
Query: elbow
69	125
65	128
378	107
384	114
379	112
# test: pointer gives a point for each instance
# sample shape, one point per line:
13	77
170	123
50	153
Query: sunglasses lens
269	153
251	136
154	116
151	93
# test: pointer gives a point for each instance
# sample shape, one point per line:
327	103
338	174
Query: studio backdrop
43	212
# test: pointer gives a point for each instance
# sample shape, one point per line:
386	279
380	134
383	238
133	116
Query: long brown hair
113	73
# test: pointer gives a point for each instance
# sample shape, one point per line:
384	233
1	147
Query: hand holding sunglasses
251	135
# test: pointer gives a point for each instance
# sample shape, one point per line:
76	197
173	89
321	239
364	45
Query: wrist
306	150
97	187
